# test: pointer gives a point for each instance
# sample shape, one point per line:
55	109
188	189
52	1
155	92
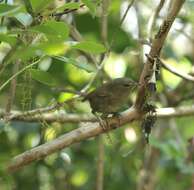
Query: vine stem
18	73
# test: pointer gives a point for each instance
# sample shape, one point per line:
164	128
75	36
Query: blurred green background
29	35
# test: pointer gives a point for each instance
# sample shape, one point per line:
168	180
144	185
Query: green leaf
90	47
72	5
85	66
91	5
43	77
6	9
24	18
53	29
53	48
39	5
24	53
9	39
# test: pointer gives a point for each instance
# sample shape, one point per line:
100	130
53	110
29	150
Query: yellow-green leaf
59	30
90	47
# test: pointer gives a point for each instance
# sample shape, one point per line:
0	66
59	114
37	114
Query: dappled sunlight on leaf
115	66
79	178
65	96
49	134
172	80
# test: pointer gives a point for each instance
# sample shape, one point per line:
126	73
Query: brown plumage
111	96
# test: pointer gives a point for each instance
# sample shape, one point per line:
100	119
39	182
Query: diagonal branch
156	47
84	133
68	139
176	72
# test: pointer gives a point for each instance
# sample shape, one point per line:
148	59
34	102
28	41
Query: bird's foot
104	123
118	116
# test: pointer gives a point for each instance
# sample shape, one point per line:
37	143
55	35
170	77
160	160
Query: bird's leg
104	117
100	120
103	123
117	115
106	127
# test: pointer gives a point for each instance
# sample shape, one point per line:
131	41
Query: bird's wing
103	92
100	92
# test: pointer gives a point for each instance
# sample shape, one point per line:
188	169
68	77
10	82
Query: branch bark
68	139
156	47
77	118
84	133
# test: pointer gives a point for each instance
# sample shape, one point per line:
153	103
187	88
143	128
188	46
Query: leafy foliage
70	48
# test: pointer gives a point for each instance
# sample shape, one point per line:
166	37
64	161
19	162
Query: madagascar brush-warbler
111	96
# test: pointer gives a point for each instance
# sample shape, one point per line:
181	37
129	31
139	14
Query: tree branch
18	73
176	72
86	132
77	118
68	139
156	47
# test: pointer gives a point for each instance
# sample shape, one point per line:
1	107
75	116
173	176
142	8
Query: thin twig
152	21
140	39
18	73
102	60
100	164
40	111
66	11
75	34
189	37
104	21
176	72
126	12
177	134
120	24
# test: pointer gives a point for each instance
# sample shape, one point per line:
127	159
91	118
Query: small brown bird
111	96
